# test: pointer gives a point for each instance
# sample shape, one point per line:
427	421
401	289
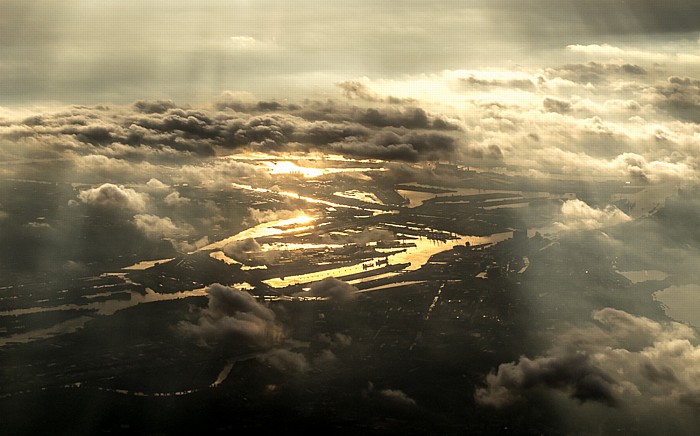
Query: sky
87	52
583	88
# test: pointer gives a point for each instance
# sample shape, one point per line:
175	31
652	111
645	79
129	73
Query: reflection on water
220	255
372	278
146	264
223	374
681	303
393	285
644	275
415	198
64	327
107	307
263	229
417	256
288	167
507	206
291	246
354	194
311	200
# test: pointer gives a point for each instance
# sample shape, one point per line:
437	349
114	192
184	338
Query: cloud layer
621	360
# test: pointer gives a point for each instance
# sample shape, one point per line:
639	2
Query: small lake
681	303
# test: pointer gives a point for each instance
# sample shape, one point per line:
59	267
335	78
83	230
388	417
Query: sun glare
286	167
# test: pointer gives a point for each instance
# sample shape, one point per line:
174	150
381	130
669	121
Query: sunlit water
271	228
416	256
108	307
310	200
354	194
643	276
416	198
681	303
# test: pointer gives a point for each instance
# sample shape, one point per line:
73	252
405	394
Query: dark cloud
161	131
595	72
413	118
473	81
353	89
554	105
336	340
402	152
234	320
680	96
324	132
623	359
154	106
573	373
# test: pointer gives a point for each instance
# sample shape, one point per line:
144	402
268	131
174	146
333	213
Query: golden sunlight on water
287	167
264	229
415	256
311	200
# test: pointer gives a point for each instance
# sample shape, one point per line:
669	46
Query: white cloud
156	227
156	184
604	49
577	215
174	199
114	196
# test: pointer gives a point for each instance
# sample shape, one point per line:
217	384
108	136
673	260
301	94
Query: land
431	313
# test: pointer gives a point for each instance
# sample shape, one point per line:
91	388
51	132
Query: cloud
397	396
392	397
242	249
234	320
336	340
595	72
331	288
679	96
219	174
623	359
156	227
577	215
186	247
604	49
471	81
354	89
156	184
114	197
554	105
285	360
174	199
154	106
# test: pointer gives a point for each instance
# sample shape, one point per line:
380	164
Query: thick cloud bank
577	215
234	320
621	360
